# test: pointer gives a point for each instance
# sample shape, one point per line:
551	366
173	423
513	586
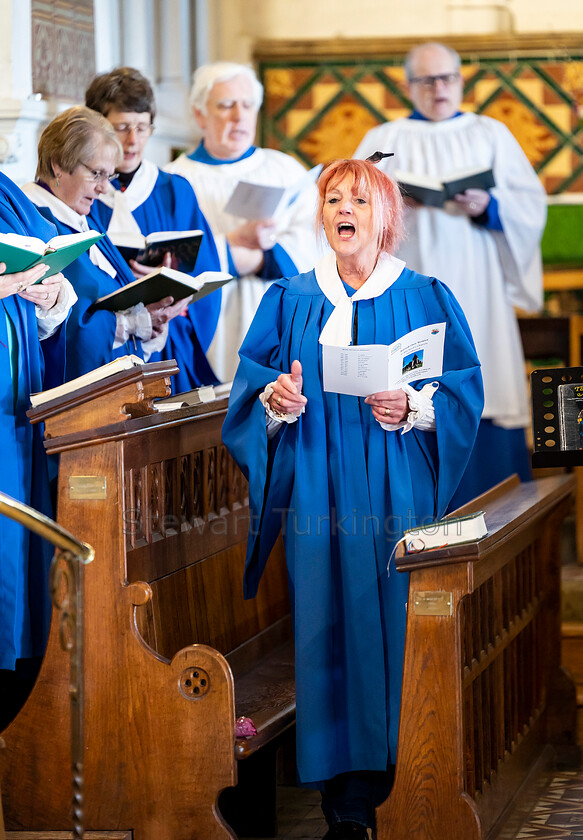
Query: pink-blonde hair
384	194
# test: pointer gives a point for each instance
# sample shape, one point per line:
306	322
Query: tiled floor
557	815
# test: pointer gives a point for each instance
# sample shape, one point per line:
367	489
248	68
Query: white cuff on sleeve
273	418
421	410
156	344
134	321
48	320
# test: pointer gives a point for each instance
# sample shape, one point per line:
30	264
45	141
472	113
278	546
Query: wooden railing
66	589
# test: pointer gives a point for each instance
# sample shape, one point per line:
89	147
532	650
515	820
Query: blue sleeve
277	263
490	218
91	334
99	216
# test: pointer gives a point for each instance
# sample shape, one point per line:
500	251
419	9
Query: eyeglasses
428	82
140	129
98	175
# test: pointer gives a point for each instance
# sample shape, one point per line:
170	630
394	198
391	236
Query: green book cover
22	252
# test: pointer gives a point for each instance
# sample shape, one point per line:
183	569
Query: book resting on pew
203	394
22	252
160	283
434	192
183	245
451	531
100	373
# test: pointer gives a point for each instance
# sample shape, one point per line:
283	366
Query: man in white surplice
225	100
484	245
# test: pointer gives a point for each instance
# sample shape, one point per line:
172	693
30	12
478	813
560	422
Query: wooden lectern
166	511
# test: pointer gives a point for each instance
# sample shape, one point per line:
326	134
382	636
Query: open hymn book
183	245
160	283
23	252
363	369
97	375
434	192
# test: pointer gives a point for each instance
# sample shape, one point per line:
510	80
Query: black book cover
483	180
160	283
422	194
184	251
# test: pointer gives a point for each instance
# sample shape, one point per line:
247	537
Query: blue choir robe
90	334
24	558
342	490
159	201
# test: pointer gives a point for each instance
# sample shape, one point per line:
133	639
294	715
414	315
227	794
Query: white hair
206	77
412	55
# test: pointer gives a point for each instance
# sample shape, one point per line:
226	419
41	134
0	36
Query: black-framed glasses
98	175
429	82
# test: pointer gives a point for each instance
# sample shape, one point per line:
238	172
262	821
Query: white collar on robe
43	198
138	190
338	328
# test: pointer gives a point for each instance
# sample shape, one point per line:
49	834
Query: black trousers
354	796
15	686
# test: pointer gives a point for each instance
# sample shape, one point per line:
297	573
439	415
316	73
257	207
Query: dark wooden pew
486	707
173	653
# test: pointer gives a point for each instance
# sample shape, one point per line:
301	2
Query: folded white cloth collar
338	328
138	190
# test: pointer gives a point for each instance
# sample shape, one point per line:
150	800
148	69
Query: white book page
170	235
254	201
71	238
365	369
358	370
262	201
417	355
27	243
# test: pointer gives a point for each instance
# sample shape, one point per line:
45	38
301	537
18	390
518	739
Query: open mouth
346	230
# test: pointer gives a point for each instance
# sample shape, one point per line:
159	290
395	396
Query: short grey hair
206	77
412	55
75	135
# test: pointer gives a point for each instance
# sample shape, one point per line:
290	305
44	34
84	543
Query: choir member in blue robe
78	153
143	199
32	358
343	476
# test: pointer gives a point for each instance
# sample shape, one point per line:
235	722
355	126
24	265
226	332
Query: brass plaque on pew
432	603
87	487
